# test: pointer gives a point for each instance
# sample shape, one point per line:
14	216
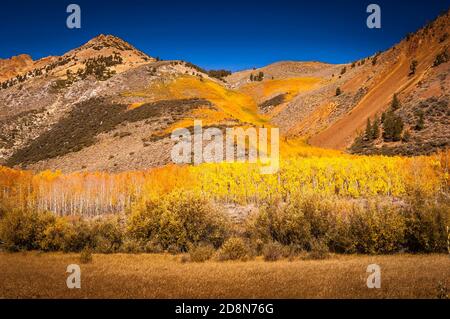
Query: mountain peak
108	41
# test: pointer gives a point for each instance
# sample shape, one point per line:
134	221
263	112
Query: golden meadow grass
43	275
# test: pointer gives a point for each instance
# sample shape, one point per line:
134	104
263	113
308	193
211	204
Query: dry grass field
43	275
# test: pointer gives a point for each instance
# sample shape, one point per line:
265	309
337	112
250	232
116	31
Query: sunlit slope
408	69
261	91
341	134
228	104
231	105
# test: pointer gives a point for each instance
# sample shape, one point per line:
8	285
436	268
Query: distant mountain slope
393	74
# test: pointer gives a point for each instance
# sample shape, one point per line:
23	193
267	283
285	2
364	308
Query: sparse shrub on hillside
81	126
374	60
259	77
338	91
344	69
23	230
178	219
413	67
275	101
234	249
420	125
219	74
442	57
406	136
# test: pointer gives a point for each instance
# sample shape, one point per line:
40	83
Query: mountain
98	107
108	106
367	87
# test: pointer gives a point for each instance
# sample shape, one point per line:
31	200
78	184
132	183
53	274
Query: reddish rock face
15	65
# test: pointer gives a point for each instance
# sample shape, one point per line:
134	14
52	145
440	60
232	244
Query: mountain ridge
301	98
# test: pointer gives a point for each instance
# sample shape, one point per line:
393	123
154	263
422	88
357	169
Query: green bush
23	230
426	226
57	236
234	249
107	235
201	253
283	223
74	235
177	220
342	226
376	229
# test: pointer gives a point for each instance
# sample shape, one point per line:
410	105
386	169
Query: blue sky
217	34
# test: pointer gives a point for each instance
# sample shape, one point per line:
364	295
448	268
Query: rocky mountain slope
108	106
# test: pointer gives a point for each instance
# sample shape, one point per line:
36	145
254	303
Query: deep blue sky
217	34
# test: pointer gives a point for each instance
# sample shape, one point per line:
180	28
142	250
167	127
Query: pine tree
420	125
395	105
260	76
368	132
398	129
392	127
375	129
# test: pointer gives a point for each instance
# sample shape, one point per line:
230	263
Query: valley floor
43	275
